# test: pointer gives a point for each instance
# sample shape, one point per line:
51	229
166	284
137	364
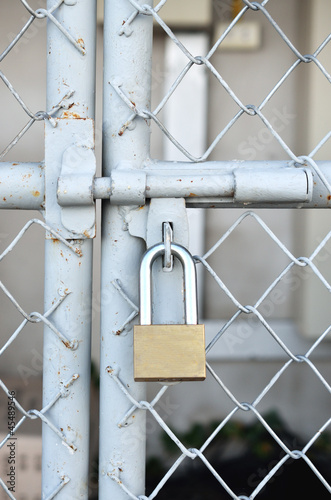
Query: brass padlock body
169	353
174	352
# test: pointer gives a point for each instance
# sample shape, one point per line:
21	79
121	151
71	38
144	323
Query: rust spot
14	164
118	332
133	103
124	127
66	343
4	199
192	194
81	42
329	197
109	370
36	193
79	252
68	114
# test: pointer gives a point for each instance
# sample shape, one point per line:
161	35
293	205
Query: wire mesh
253	313
20	420
254	310
17	414
256	110
35	16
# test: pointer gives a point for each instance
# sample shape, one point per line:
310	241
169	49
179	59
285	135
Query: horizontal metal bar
22	186
260	184
213	184
102	188
187	186
236	184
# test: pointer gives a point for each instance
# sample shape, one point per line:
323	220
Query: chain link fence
17	415
19	420
36	15
251	110
253	314
253	318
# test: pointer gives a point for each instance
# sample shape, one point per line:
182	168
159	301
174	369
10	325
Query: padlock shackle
190	285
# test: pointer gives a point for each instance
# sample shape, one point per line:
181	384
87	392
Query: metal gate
144	202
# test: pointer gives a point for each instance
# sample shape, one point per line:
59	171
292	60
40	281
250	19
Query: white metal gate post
127	63
68	271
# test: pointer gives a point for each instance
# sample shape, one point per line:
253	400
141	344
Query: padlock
175	352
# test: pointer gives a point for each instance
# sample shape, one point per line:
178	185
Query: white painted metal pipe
22	186
102	188
181	185
127	62
292	185
67	68
66	272
260	184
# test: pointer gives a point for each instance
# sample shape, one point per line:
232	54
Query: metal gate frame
139	196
